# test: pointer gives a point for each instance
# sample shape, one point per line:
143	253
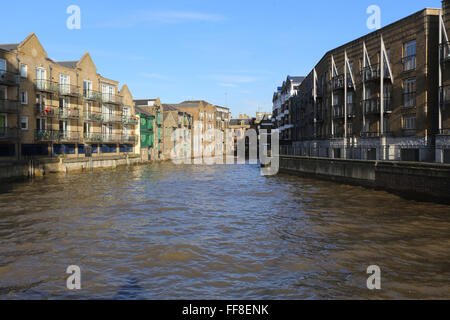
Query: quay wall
414	180
42	167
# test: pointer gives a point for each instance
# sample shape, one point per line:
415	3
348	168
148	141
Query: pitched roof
169	107
9	47
142	111
296	79
68	64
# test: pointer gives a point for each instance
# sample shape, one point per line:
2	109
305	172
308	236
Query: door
41	78
107	112
64	129
64	84
87	89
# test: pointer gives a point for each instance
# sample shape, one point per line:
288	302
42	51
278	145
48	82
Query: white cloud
227	85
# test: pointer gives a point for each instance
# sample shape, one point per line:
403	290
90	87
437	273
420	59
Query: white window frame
3	61
408	121
42	124
24	70
22	118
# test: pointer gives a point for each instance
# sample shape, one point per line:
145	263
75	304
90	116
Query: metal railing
130	120
338	82
58	136
373	73
93	137
69	90
111	98
9	133
9	106
8	78
111	118
47	86
369	134
338	111
409	63
409	100
46	112
68	113
92	116
373	106
91	95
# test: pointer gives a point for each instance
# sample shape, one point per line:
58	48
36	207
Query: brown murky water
219	232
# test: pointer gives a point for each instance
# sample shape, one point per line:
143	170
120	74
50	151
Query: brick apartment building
378	97
50	108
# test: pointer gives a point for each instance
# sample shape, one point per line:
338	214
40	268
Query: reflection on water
216	232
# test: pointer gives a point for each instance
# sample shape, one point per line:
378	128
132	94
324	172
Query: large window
24	70
409	93
409	56
2	66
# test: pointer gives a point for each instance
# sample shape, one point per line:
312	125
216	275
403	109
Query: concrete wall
38	168
419	181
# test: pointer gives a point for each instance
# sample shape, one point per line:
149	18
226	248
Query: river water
216	232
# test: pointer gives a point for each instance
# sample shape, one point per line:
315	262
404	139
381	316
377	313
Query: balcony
91	95
409	100
69	90
68	113
129	120
111	118
7	78
93	137
57	136
409	63
337	135
372	106
9	106
373	73
46	112
128	138
444	49
338	82
93	117
9	134
111	98
47	86
338	112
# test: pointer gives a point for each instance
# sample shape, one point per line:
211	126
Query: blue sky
231	53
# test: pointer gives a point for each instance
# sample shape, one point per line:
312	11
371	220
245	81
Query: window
2	66
41	124
386	125
24	97
24	123
409	93
24	70
87	88
3	93
64	83
409	56
409	122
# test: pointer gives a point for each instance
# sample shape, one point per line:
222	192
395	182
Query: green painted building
147	128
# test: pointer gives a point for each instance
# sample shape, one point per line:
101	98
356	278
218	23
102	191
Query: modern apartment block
443	116
377	97
50	108
283	103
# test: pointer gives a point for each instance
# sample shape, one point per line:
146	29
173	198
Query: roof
9	47
68	64
142	111
169	107
296	79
